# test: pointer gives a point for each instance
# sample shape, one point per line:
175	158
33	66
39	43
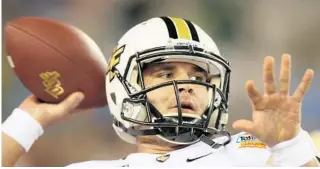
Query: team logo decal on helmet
114	61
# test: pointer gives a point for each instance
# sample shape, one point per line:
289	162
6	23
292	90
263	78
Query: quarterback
167	89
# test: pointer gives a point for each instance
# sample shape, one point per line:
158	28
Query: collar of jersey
193	151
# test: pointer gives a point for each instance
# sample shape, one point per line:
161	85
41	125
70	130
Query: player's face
193	98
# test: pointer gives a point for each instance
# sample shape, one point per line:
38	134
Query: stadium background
244	30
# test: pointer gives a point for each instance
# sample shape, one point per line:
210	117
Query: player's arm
25	125
11	151
301	148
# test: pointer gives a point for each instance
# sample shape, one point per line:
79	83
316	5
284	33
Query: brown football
53	59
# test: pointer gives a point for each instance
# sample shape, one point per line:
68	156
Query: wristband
23	128
294	152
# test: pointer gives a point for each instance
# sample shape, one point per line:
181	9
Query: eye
200	78
166	75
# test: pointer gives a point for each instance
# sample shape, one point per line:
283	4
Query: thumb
70	103
245	125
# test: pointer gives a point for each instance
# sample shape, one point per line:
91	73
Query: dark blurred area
244	30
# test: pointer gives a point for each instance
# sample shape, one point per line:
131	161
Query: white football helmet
165	39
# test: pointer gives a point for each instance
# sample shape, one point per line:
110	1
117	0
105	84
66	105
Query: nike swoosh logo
193	159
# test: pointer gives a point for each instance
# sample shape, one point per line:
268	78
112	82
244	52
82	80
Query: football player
167	89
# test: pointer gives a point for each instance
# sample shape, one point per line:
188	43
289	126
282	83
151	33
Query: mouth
186	106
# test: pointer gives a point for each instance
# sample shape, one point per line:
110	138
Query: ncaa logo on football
51	83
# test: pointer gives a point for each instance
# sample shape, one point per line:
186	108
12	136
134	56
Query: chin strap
214	144
134	132
206	139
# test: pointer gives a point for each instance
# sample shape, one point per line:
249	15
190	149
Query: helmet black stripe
193	31
171	28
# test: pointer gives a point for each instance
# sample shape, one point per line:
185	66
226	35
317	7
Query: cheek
160	98
159	95
152	96
202	97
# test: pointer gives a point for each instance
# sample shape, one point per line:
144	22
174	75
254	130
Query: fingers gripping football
47	114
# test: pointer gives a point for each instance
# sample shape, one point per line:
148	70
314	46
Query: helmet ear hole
135	78
113	97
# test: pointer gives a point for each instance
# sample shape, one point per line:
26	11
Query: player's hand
47	114
276	114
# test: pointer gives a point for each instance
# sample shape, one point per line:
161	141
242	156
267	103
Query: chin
185	113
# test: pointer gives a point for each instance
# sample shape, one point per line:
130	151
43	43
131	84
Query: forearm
299	151
19	131
12	151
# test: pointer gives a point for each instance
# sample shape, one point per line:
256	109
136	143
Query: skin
270	110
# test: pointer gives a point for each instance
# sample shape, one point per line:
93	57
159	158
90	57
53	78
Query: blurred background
244	30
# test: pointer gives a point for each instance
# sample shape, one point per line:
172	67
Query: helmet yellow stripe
182	28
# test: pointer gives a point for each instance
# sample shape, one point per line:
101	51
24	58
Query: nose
185	88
